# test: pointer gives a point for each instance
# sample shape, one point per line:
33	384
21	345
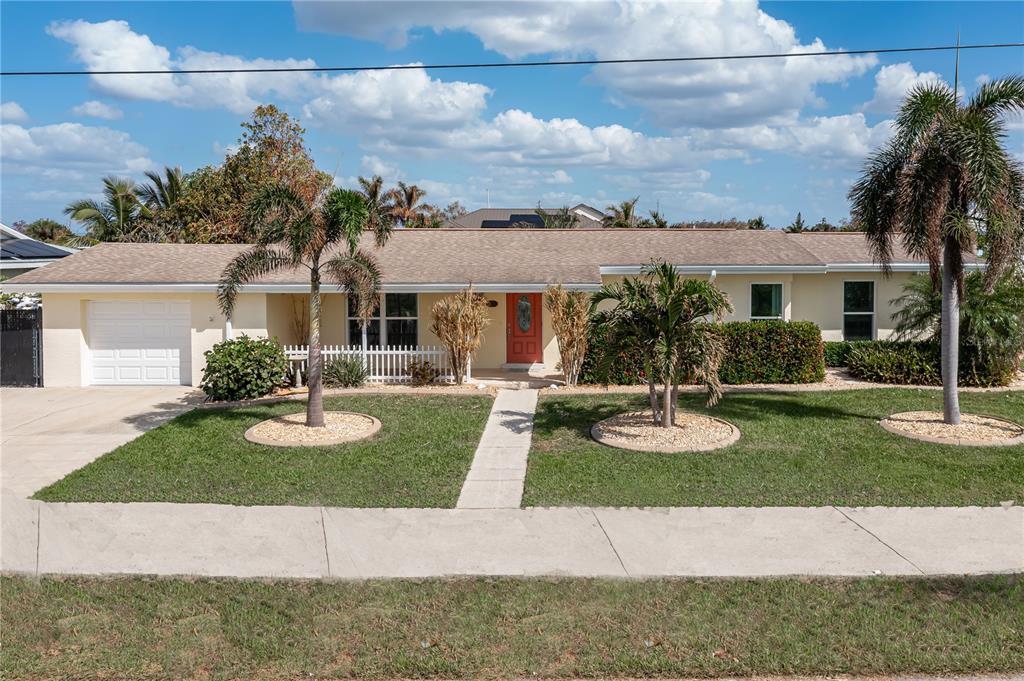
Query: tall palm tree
49	231
405	203
662	318
623	215
940	183
797	226
121	216
161	193
322	236
379	207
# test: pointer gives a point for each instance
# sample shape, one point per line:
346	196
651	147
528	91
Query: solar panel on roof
24	249
494	224
528	218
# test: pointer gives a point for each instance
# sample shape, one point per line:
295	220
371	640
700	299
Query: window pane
352	307
766	300
859	296
400	305
857	327
355	332
401	332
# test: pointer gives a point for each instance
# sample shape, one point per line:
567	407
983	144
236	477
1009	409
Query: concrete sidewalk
347	543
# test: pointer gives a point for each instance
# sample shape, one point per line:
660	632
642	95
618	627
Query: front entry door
523	328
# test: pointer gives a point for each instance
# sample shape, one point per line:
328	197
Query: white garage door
134	342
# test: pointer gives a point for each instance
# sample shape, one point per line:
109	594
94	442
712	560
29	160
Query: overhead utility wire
518	64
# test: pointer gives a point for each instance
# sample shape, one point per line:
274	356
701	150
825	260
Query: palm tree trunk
950	337
652	393
667	420
675	401
315	405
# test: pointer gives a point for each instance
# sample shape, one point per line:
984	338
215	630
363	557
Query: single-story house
587	217
146	313
20	253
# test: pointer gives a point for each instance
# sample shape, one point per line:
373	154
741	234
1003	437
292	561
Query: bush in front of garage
244	368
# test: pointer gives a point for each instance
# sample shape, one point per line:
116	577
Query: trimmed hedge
244	368
837	353
772	351
903	363
766	351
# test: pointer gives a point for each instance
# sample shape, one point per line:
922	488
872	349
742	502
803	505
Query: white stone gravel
292	428
692	432
972	426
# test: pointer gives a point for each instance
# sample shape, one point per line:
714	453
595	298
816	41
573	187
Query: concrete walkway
346	543
496	477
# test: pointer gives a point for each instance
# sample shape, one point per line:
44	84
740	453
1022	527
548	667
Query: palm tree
662	318
622	216
379	207
119	217
49	231
322	236
797	225
405	203
940	183
162	192
560	218
657	220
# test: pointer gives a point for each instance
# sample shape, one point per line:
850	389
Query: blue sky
708	140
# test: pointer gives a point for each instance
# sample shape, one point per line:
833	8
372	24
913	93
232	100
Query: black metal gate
21	347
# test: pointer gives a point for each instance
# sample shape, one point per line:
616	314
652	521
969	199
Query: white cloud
713	94
11	112
983	79
73	148
381	99
559	177
98	109
893	82
375	165
114	45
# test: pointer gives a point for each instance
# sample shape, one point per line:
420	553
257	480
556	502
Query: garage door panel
139	342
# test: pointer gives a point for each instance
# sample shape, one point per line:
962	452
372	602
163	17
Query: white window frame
382	319
750	300
874	306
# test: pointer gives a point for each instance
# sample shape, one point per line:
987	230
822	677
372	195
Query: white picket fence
383	365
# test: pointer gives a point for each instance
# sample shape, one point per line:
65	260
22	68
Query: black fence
21	347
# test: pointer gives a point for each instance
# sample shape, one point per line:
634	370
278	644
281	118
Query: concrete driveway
45	433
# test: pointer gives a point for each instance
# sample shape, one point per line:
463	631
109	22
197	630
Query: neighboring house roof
505	218
19	251
503	259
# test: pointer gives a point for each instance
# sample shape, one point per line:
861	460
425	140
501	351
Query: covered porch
517	343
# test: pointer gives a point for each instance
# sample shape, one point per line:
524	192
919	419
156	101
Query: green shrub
421	372
837	353
903	363
772	351
344	372
244	368
757	352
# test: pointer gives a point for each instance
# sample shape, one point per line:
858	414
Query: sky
708	140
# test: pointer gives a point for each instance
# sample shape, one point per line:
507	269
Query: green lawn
419	459
504	628
796	449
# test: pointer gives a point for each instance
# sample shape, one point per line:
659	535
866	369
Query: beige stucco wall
66	329
819	298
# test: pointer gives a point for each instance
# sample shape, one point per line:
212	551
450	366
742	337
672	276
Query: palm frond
247	266
358	273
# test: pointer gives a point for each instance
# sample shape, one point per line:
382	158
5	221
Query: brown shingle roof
437	256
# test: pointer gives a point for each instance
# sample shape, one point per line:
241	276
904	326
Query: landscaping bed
797	449
508	628
419	458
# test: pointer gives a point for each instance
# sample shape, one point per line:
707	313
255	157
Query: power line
518	64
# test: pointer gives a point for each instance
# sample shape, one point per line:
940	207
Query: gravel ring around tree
975	430
290	430
692	433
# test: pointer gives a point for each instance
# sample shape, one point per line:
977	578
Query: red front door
523	328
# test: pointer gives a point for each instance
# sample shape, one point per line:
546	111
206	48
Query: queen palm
379	207
322	236
120	216
940	184
623	215
405	203
663	318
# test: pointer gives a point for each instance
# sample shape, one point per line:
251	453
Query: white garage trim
139	342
